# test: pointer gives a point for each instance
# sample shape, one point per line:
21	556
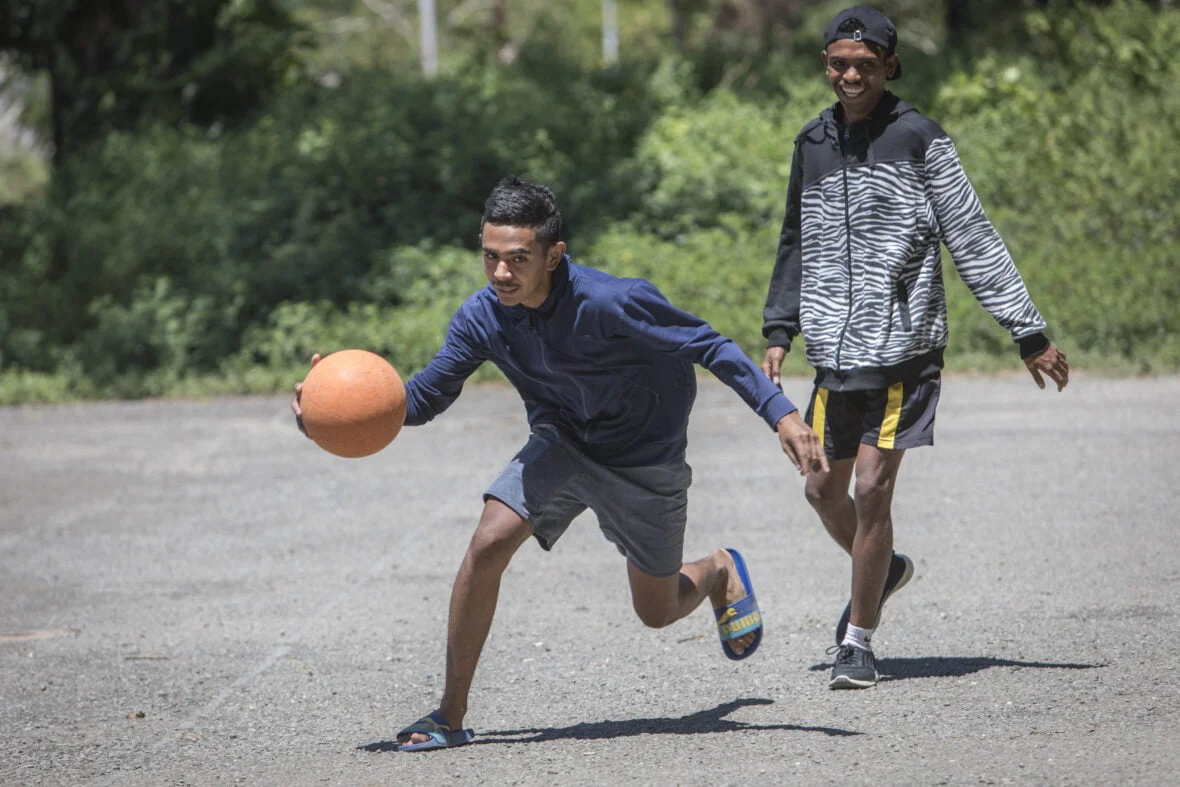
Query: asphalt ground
192	593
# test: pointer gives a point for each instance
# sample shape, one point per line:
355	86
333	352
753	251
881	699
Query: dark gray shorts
641	510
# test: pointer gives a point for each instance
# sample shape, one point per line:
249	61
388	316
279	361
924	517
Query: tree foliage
169	259
112	64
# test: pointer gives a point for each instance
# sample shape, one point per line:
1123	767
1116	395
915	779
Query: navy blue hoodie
606	361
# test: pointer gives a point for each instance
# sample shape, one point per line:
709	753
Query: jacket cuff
779	337
1032	344
779	408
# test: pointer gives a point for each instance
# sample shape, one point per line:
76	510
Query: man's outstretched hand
801	445
1050	361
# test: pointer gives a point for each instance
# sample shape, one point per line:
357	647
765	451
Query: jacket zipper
533	324
848	241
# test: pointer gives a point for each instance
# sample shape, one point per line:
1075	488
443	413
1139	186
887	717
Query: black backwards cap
861	23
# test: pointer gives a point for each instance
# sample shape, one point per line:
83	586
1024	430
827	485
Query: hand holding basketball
352	403
296	403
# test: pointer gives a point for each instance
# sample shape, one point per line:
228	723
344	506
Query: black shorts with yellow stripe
896	418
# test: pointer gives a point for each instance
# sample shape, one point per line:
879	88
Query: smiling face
857	72
519	268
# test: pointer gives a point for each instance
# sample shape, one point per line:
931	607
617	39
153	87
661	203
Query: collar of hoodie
882	115
561	278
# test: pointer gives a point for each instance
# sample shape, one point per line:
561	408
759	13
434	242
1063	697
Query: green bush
312	203
21	386
433	282
721	157
1065	144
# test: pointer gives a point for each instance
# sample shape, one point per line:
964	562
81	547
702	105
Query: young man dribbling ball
875	187
605	368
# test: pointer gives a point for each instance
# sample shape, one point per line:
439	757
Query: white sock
861	638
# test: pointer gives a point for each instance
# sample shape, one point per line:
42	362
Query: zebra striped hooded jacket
859	268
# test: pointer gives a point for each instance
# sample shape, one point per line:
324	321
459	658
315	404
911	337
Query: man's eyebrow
507	253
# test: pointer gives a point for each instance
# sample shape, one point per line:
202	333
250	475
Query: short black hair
517	203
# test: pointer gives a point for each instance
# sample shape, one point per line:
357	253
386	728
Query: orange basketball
353	403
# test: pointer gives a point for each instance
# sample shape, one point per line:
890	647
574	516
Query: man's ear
556	252
891	65
823	57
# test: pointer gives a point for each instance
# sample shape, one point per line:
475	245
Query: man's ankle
859	637
454	714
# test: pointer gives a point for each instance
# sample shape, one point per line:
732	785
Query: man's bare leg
828	495
500	533
660	601
876	475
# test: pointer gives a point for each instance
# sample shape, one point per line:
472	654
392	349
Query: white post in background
610	32
428	38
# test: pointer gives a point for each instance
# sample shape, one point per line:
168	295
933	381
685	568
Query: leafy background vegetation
199	219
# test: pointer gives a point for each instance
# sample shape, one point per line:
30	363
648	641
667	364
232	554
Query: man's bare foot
421	737
729	589
417	737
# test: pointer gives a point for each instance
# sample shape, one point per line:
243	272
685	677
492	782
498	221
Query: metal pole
610	32
428	38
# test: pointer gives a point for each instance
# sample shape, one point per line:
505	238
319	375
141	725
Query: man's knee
499	534
824	494
655	617
874	497
655	600
876	474
874	488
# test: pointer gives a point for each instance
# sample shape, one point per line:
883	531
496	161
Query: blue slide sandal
441	734
742	616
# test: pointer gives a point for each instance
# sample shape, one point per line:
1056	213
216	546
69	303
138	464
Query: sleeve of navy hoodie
435	388
646	315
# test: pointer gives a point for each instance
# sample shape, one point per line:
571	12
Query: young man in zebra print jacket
875	188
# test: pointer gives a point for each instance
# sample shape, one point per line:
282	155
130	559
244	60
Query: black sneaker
901	568
855	668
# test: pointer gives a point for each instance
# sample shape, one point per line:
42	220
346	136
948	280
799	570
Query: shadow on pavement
952	666
702	722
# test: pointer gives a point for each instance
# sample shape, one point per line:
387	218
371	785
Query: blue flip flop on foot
741	617
441	734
